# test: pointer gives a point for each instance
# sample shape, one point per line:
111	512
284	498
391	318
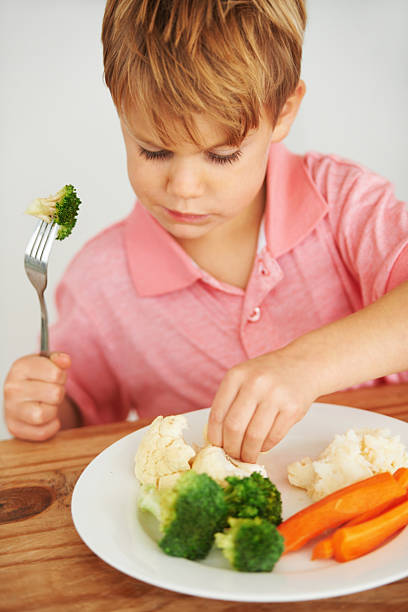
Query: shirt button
263	270
255	315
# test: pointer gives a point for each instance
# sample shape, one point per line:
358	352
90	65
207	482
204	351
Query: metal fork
35	264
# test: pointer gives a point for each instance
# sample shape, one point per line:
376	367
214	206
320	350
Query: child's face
191	190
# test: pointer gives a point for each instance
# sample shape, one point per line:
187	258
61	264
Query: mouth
185	217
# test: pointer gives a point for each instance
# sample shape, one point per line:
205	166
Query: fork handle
44	327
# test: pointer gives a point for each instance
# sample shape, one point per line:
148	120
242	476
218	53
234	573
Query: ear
288	113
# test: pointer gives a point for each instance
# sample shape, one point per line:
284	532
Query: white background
58	124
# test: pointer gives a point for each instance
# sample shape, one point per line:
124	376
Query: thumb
62	360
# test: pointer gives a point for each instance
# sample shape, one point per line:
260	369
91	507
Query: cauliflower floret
169	480
301	473
350	457
384	452
163	455
163	451
216	463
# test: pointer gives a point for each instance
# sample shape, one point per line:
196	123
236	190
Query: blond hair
228	59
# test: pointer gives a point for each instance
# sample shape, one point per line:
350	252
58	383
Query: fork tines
40	244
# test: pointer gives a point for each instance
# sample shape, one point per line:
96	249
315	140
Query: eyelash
213	157
225	159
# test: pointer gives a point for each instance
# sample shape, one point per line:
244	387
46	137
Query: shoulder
364	214
110	238
338	178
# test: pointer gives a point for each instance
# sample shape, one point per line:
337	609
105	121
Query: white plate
104	513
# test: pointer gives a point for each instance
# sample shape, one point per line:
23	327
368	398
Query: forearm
69	414
368	344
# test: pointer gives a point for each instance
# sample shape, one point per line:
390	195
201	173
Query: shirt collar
294	206
156	261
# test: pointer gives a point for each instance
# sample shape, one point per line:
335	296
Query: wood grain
18	503
45	566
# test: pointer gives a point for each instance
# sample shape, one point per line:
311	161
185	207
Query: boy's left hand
258	401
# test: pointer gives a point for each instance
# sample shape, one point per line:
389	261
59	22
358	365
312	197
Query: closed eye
224	159
155	155
215	158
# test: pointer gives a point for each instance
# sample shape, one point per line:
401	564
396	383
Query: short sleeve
399	270
370	226
91	383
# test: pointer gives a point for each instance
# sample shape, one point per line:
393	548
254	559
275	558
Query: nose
184	179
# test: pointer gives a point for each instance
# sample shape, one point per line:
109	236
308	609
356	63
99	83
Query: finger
257	431
223	399
37	413
34	433
278	431
17	392
236	422
62	360
37	367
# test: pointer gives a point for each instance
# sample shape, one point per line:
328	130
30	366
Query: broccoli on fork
251	544
253	496
61	208
191	513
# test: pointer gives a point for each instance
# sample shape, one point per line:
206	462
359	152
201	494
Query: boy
246	278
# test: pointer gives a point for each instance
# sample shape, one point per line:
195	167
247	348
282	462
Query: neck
228	251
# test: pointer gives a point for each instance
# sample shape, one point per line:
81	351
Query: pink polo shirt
149	330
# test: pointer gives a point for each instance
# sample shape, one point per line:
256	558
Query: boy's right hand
33	392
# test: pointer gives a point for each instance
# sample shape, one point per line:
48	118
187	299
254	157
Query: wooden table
45	566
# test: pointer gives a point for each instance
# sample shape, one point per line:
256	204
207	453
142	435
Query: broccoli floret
191	513
251	544
62	208
149	500
253	496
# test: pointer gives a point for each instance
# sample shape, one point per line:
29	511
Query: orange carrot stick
369	514
324	548
402	476
338	508
353	542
